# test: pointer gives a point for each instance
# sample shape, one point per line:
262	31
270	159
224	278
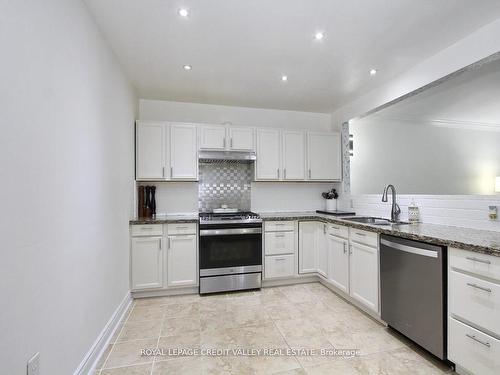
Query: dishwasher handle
431	251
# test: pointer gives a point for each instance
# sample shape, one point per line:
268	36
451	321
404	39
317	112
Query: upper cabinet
212	137
268	154
150	151
227	138
183	152
294	155
166	151
324	156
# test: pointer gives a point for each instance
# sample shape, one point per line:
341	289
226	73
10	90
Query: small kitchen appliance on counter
230	251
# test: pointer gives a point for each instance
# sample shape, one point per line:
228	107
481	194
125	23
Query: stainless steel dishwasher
413	291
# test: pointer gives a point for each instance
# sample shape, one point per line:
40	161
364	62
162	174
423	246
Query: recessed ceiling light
284	78
373	72
187	67
319	35
183	12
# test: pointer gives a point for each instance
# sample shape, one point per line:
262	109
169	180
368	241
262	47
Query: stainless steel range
230	251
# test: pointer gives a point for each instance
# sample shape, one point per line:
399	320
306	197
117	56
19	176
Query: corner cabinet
324	156
166	151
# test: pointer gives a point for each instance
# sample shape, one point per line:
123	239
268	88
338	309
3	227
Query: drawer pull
360	234
474	259
182	227
280	259
279	224
279	235
477	340
147	228
336	228
479	287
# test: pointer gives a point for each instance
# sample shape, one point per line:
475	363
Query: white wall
66	163
217	114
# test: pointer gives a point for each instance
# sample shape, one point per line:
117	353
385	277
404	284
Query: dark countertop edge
391	232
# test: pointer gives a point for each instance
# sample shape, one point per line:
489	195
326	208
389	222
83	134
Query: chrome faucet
395	210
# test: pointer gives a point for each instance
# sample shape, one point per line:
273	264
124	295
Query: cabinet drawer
279	243
363	237
480	264
279	266
279	226
475	300
147	230
338	230
187	228
473	350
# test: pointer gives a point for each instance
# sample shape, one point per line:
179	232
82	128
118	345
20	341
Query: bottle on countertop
413	212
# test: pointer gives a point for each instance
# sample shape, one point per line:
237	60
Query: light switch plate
34	365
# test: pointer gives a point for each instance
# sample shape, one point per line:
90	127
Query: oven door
230	251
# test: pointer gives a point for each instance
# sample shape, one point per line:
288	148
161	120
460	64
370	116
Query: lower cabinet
338	263
167	259
364	274
182	260
147	263
307	247
279	266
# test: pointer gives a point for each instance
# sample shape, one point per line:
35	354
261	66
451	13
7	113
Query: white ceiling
470	100
240	48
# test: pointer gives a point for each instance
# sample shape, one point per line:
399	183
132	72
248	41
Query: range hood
241	156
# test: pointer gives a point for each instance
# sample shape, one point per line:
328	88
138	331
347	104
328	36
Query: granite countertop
165	219
482	241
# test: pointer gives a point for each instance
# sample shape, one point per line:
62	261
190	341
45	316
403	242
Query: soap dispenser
413	212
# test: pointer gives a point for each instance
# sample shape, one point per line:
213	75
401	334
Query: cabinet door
294	155
323	156
278	266
268	154
212	137
150	156
322	245
146	263
338	262
182	261
364	272
241	139
183	152
307	247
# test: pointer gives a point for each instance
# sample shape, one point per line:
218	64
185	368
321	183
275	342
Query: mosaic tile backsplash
224	182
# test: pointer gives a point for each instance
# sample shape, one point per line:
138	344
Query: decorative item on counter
331	199
493	212
413	212
141	201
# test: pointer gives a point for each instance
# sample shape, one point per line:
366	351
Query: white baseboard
165	292
89	362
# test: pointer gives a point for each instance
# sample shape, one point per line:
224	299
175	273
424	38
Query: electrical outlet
34	365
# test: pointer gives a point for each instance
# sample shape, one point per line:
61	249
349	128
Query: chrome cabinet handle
231	142
284	173
147	228
160	243
279	235
479	287
280	258
171	171
309	173
474	259
278	173
345	248
350	249
360	234
182	227
168	242
324	228
163	172
336	228
473	337
224	143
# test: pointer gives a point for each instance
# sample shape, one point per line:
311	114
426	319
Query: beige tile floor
307	316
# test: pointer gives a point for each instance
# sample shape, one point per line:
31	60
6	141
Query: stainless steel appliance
230	251
413	291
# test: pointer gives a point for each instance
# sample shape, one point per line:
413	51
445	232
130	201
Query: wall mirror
443	139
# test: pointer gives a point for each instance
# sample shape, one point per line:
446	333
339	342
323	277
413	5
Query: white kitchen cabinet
364	274
212	137
150	151
182	262
307	247
294	155
322	249
241	139
338	262
147	263
279	266
324	156
268	154
183	152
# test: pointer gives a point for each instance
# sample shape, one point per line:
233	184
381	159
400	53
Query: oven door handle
229	232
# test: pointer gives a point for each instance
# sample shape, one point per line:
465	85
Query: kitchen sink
372	220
